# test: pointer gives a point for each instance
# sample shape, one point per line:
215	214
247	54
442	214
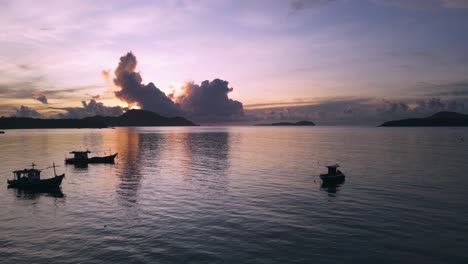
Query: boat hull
106	159
336	177
43	184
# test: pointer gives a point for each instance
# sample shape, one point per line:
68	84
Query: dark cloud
391	107
459	92
24	90
296	5
209	100
92	108
414	4
423	4
24	66
40	97
360	111
353	111
95	97
25	111
16	90
148	97
451	89
66	92
455	3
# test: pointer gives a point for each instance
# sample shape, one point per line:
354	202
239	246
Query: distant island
440	119
129	118
300	123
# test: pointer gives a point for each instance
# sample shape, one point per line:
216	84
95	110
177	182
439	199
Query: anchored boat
333	175
31	179
81	157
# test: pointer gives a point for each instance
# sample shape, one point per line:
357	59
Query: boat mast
53	165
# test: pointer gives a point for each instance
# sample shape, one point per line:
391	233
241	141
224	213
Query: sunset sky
330	61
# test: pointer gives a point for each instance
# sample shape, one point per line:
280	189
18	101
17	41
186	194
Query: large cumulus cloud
207	101
148	97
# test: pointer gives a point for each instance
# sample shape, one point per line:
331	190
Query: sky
220	61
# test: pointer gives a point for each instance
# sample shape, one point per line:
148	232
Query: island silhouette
300	123
440	119
130	118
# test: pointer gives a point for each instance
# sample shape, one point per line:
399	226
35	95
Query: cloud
423	4
448	89
92	108
25	111
416	4
95	97
455	3
296	5
132	91
40	97
16	90
357	111
209	100
392	107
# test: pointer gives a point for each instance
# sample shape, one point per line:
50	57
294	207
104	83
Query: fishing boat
31	179
333	175
81	157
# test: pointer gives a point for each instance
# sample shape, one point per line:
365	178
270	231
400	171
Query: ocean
239	195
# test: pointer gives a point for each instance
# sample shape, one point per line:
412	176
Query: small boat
81	157
2	132
333	175
31	179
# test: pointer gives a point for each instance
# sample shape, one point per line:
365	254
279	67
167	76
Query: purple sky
333	62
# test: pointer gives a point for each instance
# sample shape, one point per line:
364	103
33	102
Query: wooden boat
31	179
333	175
81	157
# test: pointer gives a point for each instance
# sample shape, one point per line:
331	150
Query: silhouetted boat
81	157
31	179
333	175
2	132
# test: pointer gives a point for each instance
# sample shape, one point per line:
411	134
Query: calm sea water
240	195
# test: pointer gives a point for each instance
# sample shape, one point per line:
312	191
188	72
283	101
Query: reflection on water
239	194
206	159
130	162
79	166
34	194
332	187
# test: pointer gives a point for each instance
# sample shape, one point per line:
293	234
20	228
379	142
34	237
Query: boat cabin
27	174
80	155
332	169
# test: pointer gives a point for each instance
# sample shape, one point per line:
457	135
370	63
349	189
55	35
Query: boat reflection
33	194
85	166
332	187
82	166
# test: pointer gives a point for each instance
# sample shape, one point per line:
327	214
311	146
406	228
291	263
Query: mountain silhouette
129	118
438	119
141	118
